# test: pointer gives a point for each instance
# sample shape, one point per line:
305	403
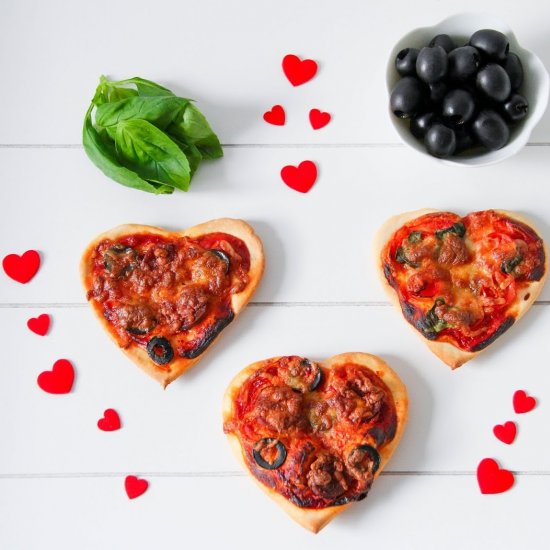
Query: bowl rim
473	21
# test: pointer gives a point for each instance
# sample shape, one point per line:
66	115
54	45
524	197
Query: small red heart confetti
22	268
506	432
318	119
298	71
58	380
39	325
135	486
300	178
276	116
110	421
492	479
523	403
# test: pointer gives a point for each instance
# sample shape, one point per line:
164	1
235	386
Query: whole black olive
493	44
516	108
463	63
437	91
514	68
491	130
493	81
464	138
407	97
443	40
420	124
405	62
440	141
458	106
431	64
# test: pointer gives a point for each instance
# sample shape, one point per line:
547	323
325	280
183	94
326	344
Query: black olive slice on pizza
461	282
165	296
314	435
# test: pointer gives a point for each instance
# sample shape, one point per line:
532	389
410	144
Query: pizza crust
238	228
315	519
449	354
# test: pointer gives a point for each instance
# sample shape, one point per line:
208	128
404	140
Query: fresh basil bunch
143	136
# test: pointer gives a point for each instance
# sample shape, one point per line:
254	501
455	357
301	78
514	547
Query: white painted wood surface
61	479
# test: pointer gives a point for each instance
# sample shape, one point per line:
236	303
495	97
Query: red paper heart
58	380
523	403
300	178
318	119
39	325
110	421
22	268
492	479
506	432
135	486
298	71
276	116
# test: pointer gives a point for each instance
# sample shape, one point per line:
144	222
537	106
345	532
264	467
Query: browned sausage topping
358	399
418	251
326	477
459	317
279	408
138	318
453	250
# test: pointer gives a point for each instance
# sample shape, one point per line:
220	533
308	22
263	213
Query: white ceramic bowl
535	88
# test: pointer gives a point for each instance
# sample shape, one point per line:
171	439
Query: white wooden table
61	479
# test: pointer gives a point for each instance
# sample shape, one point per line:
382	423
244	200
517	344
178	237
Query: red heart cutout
276	116
298	71
300	178
39	325
492	479
506	432
523	403
318	119
22	268
110	421
58	380
135	486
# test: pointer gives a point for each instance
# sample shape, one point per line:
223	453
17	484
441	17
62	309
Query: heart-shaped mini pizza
163	296
315	435
461	282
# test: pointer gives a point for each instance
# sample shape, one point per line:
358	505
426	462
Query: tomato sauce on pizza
459	280
171	296
311	433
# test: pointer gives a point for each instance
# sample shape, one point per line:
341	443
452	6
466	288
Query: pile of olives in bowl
460	98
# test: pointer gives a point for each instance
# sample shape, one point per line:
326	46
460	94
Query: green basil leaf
457	228
148	151
107	93
104	157
194	128
191	152
158	110
144	87
415	236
